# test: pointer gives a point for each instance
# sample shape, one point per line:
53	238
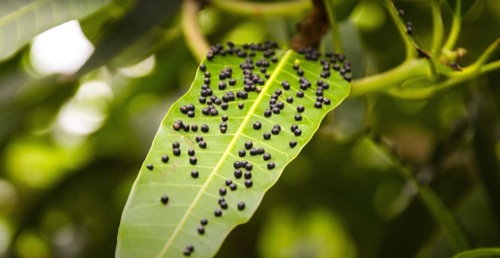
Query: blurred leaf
480	253
49	92
21	20
317	233
142	17
342	9
151	228
464	5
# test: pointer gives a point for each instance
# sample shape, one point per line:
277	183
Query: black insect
164	199
241	206
149	166
248	145
195	174
222	191
248	183
238	173
189	249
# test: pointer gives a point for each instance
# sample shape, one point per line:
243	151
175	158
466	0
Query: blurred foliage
71	145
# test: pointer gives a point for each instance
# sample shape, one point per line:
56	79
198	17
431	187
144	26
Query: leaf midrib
21	11
256	104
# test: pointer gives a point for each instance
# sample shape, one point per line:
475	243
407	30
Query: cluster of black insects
252	82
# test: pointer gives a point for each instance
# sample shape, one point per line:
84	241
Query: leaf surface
21	20
151	226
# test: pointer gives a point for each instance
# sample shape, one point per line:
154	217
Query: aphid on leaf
271	165
201	230
204	128
238	173
193	160
222	191
248	183
189	249
218	213
164	199
292	143
241	206
195	174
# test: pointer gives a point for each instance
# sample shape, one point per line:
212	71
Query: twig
192	32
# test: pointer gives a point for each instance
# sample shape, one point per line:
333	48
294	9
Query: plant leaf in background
464	5
143	16
248	113
21	20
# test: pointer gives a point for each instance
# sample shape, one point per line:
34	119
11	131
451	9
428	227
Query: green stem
294	8
412	69
455	28
487	53
489	67
437	38
410	48
192	32
389	79
481	252
334	28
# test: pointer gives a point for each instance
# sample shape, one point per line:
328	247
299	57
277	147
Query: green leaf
21	20
461	7
141	18
150	228
479	253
